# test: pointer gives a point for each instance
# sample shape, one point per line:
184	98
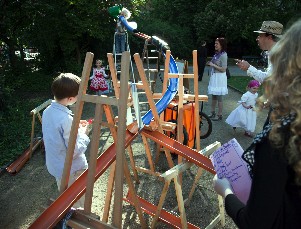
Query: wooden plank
103	99
111	120
160	204
132	163
76	120
196	106
166	70
164	216
207	151
176	75
122	107
82	220
34	112
176	170
113	74
93	157
191	97
214	222
148	154
41	107
147	90
179	193
178	148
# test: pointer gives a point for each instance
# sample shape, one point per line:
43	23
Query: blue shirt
56	126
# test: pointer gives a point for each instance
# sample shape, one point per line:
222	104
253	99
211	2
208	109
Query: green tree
13	21
172	21
236	20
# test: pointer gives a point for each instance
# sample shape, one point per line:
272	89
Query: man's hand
242	64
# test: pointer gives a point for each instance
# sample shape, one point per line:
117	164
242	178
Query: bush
22	94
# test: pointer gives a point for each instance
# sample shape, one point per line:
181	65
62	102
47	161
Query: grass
240	83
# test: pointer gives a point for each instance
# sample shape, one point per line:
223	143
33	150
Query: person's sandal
213	114
218	118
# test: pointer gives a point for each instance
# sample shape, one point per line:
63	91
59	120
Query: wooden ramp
57	210
178	148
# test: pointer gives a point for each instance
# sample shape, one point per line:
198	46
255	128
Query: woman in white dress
244	115
218	79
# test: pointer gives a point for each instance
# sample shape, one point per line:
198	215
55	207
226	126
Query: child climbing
245	115
99	78
120	37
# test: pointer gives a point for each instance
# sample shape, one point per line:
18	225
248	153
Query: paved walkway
234	71
221	130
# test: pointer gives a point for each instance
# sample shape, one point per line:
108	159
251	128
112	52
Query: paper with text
228	163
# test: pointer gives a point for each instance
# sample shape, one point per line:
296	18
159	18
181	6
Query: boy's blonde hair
126	13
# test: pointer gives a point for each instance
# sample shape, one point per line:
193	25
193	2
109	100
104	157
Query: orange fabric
188	118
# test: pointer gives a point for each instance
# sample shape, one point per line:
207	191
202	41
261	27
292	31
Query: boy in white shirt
56	127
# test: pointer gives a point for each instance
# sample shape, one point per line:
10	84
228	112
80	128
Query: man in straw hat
268	35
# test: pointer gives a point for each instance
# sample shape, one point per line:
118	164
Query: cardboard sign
228	163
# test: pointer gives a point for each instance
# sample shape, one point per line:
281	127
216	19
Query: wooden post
76	121
120	157
93	157
196	106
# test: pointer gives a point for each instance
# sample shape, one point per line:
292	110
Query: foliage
236	20
63	31
27	92
171	21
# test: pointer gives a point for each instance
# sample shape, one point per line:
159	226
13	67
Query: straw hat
271	27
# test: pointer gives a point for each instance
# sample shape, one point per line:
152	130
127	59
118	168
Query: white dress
243	117
218	80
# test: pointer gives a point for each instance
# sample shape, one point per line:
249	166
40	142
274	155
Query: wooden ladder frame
120	168
145	57
173	174
36	113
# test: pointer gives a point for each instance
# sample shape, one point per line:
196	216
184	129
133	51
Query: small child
56	127
245	115
99	83
121	29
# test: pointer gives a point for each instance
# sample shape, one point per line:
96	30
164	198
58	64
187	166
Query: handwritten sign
228	163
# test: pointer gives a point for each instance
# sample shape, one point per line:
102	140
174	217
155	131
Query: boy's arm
82	139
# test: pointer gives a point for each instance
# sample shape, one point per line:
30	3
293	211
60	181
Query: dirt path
22	196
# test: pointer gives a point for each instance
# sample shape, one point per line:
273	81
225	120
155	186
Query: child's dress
99	83
243	117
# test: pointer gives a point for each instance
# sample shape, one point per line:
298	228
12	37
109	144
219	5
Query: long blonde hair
283	90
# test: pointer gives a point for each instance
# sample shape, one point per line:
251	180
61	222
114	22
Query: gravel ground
23	195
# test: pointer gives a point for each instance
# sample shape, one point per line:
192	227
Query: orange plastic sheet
171	113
